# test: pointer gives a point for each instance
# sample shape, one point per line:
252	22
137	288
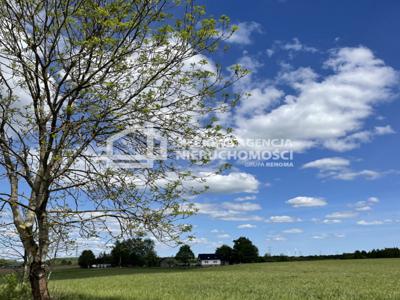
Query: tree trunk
38	279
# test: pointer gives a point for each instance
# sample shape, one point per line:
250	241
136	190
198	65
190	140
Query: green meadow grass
334	279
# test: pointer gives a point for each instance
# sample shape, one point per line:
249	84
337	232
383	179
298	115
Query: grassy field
348	279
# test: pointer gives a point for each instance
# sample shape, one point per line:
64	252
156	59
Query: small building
168	262
101	266
209	260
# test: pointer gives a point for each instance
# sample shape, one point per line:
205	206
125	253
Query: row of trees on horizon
139	252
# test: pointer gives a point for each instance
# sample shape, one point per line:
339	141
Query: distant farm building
101	266
168	262
209	260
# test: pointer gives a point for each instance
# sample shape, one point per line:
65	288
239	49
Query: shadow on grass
78	273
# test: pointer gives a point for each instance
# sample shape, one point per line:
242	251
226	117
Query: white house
209	260
101	266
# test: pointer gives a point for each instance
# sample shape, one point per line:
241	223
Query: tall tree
134	252
104	258
120	254
86	259
225	253
185	254
75	74
244	251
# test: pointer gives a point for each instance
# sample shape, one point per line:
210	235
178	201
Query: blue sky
324	74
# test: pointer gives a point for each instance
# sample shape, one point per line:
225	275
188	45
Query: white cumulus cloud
325	110
303	201
235	182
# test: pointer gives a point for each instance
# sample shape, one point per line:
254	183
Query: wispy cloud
243	36
320	236
242	207
342	215
292	47
282	219
368	223
296	46
339	168
277	238
224	236
331	221
293	230
246	198
375	222
229	211
323	236
328	164
366	205
246	226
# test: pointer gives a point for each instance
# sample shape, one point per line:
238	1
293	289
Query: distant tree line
135	252
139	252
375	253
12	263
243	251
5	263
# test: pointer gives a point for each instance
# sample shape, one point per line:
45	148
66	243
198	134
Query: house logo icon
136	147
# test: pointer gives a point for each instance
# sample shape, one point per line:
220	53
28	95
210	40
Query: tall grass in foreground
341	279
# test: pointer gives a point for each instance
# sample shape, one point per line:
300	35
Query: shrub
11	288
